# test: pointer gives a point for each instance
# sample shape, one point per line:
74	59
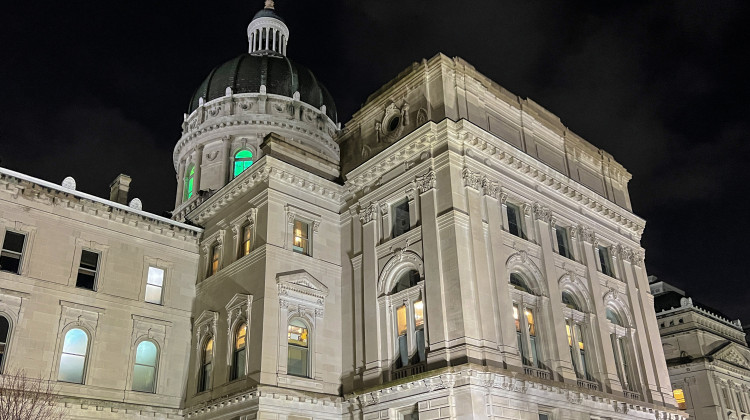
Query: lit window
679	396
242	160
401	220
605	260
207	358
12	251
215	254
189	180
154	285
73	358
4	336
301	237
418	314
297	343
239	351
144	371
515	220
401	320
247	240
563	244
88	270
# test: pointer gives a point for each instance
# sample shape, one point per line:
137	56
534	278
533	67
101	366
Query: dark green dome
282	76
267	13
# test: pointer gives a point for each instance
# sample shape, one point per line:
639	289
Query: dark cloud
97	89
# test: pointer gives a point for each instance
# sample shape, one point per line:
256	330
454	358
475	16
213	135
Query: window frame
96	271
603	253
307	249
234	373
155	367
565	232
235	160
524	300
313	221
520	219
4	350
86	355
203	384
392	219
21	254
308	348
390	303
162	287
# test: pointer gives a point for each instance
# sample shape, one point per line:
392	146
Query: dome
281	76
269	13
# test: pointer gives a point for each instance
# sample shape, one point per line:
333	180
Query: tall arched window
620	347
73	358
189	181
524	316
207	359
575	329
239	351
406	301
242	160
298	351
144	371
4	338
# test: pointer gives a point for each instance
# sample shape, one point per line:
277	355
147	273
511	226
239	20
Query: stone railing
588	385
410	370
537	373
632	395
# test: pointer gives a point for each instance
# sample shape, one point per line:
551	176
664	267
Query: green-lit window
189	180
242	160
144	371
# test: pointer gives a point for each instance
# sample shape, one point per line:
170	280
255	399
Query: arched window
73	358
189	181
575	329
242	160
207	359
239	351
407	280
298	351
406	301
621	350
4	338
144	371
524	316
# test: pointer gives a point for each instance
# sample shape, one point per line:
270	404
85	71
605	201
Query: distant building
707	355
453	252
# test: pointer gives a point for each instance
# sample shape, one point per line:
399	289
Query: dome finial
269	4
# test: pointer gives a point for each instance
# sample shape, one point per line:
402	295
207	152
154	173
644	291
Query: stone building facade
453	251
707	355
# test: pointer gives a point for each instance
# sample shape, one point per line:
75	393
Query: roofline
94	198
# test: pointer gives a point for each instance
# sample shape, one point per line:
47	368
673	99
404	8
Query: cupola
267	32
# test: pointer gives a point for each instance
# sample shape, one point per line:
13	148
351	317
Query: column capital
368	214
426	182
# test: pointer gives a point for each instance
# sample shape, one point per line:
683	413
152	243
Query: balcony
406	371
537	373
632	395
587	385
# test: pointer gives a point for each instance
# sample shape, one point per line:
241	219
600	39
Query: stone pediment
302	285
734	354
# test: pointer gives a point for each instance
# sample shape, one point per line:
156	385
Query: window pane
145	354
579	335
419	337
4	328
418	314
71	368
153	294
530	320
241	337
144	378
13	241
406	280
155	276
76	342
247	235
512	213
401	220
605	260
301	232
89	260
297	361
516	319
569	301
679	396
239	364
401	320
570	337
10	262
562	241
86	280
208	351
612	317
297	333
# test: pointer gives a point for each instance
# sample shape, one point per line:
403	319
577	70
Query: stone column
198	159
508	344
607	366
559	352
180	183
227	142
368	217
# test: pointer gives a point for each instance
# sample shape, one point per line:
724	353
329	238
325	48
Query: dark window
406	280
515	221
563	247
10	256
401	220
4	335
518	282
207	358
606	261
87	270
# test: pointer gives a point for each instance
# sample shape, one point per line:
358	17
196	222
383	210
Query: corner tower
243	100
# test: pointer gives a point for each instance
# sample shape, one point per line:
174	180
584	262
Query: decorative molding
368	214
542	213
426	182
403	258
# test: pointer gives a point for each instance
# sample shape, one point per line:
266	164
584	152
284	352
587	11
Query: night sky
94	89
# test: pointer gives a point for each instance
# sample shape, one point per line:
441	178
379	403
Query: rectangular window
401	320
515	221
301	237
247	240
563	245
543	416
215	254
154	285
532	337
88	270
605	260
401	221
418	314
679	397
12	251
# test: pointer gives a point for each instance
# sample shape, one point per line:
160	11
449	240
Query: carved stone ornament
734	357
586	234
368	214
490	187
472	179
542	213
426	182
